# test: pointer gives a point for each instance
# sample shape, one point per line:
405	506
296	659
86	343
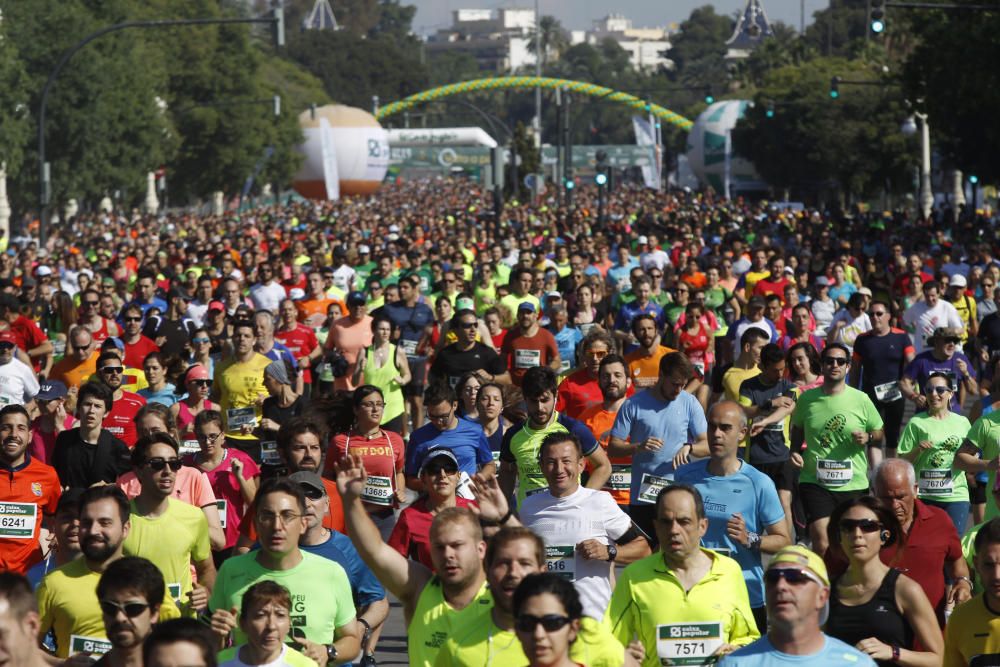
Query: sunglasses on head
866	525
550	622
835	361
157	464
130	609
792	575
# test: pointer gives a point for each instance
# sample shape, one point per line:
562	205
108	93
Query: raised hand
493	505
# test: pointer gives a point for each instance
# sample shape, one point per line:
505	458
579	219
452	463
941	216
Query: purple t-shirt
925	363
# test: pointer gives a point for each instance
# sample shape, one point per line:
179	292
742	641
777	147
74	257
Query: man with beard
67	602
614	384
130	593
512	554
644	361
120	419
432	603
167	531
31	490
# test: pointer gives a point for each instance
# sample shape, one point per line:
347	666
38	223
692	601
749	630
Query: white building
646	46
499	39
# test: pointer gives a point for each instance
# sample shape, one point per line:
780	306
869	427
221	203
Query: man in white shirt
923	317
267	294
654	256
343	276
18	383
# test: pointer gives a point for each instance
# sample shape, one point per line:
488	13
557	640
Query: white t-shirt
267	297
921	321
286	659
565	522
823	312
343	277
853	326
657	258
18	383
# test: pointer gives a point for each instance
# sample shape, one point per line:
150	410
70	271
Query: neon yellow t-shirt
973	631
172	542
434	619
985	434
240	384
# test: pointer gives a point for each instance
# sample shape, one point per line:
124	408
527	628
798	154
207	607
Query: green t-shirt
969	552
937	479
320	590
832	459
985	434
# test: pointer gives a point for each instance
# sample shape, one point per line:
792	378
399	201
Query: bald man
745	515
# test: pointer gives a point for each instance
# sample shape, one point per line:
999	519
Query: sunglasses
133	319
6	347
866	525
435	470
792	575
877	313
157	464
940	391
81	348
953	341
202	383
835	361
201	340
130	609
467	325
311	493
550	622
90	303
116	370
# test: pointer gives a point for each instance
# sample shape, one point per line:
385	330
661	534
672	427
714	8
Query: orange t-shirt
312	312
645	371
27	495
600	421
73	373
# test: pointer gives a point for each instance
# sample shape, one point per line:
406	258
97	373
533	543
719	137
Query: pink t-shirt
192	486
227	489
350	338
43	443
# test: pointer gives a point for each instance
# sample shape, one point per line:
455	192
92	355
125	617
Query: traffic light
570	184
770	109
709	97
973	179
878	16
834	87
601	179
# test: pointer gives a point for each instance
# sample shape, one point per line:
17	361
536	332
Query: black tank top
879	618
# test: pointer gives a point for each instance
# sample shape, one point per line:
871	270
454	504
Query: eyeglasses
834	361
130	609
113	370
269	518
311	492
866	525
439	418
793	576
550	622
201	340
157	464
939	390
208	437
372	405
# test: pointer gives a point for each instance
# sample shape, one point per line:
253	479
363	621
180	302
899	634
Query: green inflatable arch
505	82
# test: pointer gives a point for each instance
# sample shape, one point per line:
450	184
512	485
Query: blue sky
578	14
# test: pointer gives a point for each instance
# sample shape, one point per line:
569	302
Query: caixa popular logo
377	149
676	632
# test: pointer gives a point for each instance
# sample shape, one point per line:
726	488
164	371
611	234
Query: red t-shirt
27	493
576	393
29	336
767	287
121	420
227	490
383	456
135	353
411	534
523	352
300	341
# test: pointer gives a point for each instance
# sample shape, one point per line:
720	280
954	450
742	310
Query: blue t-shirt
466	441
566	341
628	312
762	653
748	492
279	352
676	423
365	588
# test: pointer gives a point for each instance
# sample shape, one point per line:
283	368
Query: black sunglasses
133	319
835	361
939	390
158	464
866	525
310	492
435	469
790	574
131	609
550	622
202	383
6	346
117	370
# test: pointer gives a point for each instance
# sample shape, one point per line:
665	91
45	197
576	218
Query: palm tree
553	37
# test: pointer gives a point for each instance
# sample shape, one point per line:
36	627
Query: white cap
43	271
364	250
643	240
957	280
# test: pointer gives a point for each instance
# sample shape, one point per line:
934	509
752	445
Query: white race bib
830	473
223	505
91	645
935	482
464	489
237	417
269	453
175	592
621	478
651	485
377	491
688	643
409	347
527	358
189	447
888	392
561	561
18	520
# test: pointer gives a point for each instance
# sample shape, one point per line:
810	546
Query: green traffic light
973	179
834	94
601	179
570	184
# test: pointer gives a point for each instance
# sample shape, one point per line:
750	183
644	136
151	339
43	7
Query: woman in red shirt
381	451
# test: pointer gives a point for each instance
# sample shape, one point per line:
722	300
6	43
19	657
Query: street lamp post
910	128
276	18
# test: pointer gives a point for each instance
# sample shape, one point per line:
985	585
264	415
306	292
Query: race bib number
223	505
699	365
91	645
409	347
935	482
269	453
831	473
534	482
189	447
621	478
888	392
564	365
496	457
561	561
527	358
650	487
18	520
688	643
238	417
464	489
378	491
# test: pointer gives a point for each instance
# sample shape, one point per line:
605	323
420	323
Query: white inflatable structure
346	153
710	150
440	136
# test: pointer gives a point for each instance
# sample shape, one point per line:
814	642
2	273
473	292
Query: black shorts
819	503
418	373
783	473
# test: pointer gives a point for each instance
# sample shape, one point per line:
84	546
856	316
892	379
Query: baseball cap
958	280
180	294
356	299
364	250
756	302
50	390
43	271
437	453
8	337
822	281
308	478
197	372
865	291
216	305
643	240
526	305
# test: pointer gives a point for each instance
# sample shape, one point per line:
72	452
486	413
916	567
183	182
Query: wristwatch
331	654
612	553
